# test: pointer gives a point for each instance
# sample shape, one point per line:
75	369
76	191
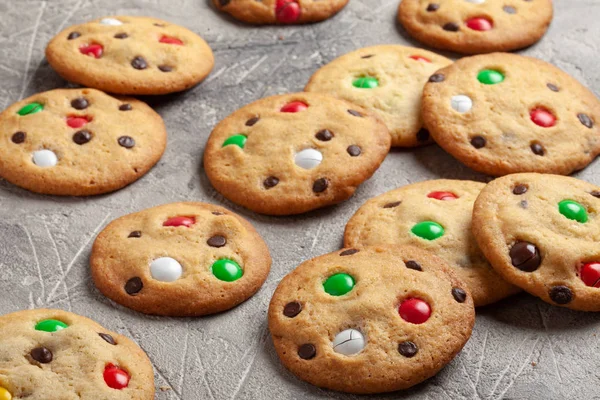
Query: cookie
366	321
292	153
57	355
260	12
180	259
434	216
131	55
503	113
78	142
386	80
476	26
540	232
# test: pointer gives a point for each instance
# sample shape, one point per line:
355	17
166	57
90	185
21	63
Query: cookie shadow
443	165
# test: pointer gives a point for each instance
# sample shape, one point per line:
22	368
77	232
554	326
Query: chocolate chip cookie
131	55
541	232
78	142
387	80
368	321
504	113
261	12
292	153
435	216
476	26
57	355
180	259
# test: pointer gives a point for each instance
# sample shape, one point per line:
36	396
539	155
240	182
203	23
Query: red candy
294	107
180	221
77	122
92	50
171	40
415	311
115	377
590	274
287	11
442	196
479	24
543	118
420	58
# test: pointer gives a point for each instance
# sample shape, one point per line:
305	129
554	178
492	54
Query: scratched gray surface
521	348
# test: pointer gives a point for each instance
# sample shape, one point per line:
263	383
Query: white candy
166	269
461	103
349	342
44	158
110	21
308	158
476	1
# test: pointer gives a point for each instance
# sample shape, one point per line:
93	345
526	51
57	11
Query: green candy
31	108
366	82
238	140
428	230
50	325
227	270
490	77
573	210
338	284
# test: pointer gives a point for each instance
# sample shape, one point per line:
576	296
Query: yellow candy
5	394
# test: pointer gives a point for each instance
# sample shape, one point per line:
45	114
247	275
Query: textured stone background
521	348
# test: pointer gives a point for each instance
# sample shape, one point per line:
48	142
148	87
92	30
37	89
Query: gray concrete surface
521	348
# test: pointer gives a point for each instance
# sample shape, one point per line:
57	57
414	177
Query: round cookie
387	80
261	12
476	26
503	113
365	321
57	355
292	153
435	216
180	259
131	55
78	142
540	232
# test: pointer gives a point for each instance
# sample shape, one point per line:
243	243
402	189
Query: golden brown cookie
366	321
504	113
542	233
78	142
435	216
387	80
131	55
57	355
476	26
261	12
180	259
293	153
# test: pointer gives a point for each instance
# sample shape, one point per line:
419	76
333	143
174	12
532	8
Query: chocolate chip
525	256
368	56
121	35
437	78
320	185
596	193
561	294
520	189
478	142
307	351
133	286
18	137
459	295
524	204
165	68
159	25
349	252
585	120
292	309
270	182
223	3
41	355
125	107
73	35
408	349
135	234
139	63
392	205
126	141
451	27
411	264
355	113
252	121
552	87
217	213
433	7
509	10
79	103
537	149
353	150
217	241
82	137
108	338
324	135
423	135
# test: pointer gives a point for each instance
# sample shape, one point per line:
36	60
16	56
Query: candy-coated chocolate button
415	311
287	11
171	40
180	221
227	270
50	325
349	342
590	274
110	21
294	107
92	50
308	158
543	118
366	82
428	230
490	77
237	140
115	377
31	108
77	122
479	24
573	210
44	158
420	58
442	196
5	394
338	284
461	103
166	269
